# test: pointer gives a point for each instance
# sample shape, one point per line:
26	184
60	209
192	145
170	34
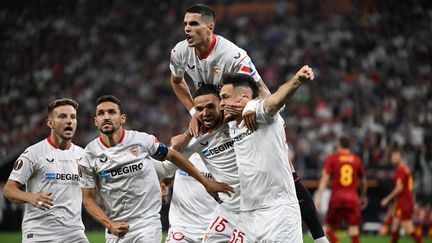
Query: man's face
108	117
63	122
395	157
232	97
208	108
196	29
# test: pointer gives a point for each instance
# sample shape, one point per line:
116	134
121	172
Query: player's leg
353	217
409	228
332	220
78	237
308	211
395	229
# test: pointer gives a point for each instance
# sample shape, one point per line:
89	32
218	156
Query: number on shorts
236	236
346	175
220	224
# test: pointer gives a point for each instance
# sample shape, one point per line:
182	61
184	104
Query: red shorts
404	212
337	214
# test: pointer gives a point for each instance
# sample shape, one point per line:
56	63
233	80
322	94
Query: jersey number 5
346	175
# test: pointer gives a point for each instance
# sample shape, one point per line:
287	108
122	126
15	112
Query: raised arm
181	89
274	102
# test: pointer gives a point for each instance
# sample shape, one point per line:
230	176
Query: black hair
204	10
241	79
344	142
395	147
207	89
110	98
62	102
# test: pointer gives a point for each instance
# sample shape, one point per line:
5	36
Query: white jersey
43	167
216	149
262	158
222	57
191	206
126	179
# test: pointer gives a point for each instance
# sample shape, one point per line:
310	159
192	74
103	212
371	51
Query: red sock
394	237
331	234
416	237
355	239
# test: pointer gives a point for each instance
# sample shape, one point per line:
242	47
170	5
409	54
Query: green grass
98	237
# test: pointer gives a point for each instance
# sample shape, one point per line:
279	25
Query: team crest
134	151
18	164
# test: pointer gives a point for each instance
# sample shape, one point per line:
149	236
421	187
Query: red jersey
404	177
344	169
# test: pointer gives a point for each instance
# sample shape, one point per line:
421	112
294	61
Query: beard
107	131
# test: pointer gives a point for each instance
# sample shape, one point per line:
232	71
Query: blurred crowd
372	61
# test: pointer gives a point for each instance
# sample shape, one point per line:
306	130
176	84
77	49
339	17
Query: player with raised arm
118	168
46	178
404	198
269	207
345	170
215	147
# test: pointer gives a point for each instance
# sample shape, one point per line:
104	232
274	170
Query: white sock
321	240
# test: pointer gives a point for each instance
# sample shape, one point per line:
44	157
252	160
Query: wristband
192	111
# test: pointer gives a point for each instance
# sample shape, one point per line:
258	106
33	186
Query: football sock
416	237
332	236
355	239
395	237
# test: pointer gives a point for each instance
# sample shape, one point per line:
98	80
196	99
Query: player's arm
396	191
323	183
363	192
263	91
274	102
181	89
90	204
183	163
14	193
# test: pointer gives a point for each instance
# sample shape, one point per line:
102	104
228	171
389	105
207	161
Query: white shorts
78	237
221	226
137	237
177	234
280	223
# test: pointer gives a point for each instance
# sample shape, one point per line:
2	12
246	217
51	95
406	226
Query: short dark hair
62	102
110	98
395	147
241	79
204	10
206	89
344	142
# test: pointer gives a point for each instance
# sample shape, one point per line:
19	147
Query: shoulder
181	47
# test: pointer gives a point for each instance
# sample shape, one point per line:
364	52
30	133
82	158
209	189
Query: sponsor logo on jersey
209	152
238	56
50	160
107	174
51	176
205	174
205	144
18	164
242	136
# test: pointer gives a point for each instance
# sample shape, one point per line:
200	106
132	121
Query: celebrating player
345	169
269	208
403	193
118	165
46	178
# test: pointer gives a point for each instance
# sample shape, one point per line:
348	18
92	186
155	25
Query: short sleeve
177	66
246	66
261	116
86	173
164	168
328	165
156	149
23	168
